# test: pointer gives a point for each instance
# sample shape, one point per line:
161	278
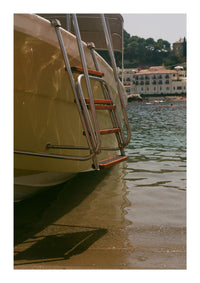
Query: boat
69	104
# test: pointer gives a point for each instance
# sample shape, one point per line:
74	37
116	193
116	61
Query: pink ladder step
101	104
111	161
109	131
90	72
99	101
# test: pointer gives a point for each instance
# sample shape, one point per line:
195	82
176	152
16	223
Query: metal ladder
108	105
89	104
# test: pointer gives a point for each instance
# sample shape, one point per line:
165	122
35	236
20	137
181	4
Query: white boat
69	104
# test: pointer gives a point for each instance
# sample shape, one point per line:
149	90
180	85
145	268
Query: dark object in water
134	97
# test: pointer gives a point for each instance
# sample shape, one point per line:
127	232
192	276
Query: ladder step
90	72
111	161
102	107
109	131
101	104
99	101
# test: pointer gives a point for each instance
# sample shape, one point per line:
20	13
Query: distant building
128	75
127	78
155	81
179	48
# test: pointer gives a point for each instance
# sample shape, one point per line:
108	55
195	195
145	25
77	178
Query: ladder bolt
90	45
55	23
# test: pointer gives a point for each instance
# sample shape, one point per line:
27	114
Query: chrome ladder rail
89	90
114	67
85	118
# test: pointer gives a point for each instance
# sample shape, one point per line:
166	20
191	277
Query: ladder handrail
112	57
91	144
87	80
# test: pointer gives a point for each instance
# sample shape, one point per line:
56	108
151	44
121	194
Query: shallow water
157	159
155	178
130	216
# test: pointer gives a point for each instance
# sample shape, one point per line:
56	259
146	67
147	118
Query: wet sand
83	224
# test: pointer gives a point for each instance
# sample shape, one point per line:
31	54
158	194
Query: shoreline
145	98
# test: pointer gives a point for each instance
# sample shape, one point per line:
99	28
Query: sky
170	27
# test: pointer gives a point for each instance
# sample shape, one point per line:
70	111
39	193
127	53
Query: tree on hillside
140	52
146	52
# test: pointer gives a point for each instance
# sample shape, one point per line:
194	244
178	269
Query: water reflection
59	246
83	215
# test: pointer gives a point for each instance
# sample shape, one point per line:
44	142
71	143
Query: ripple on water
156	167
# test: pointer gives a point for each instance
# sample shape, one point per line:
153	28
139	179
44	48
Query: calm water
156	168
155	178
157	150
130	216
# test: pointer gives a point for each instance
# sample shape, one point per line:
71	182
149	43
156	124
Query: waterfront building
155	81
127	78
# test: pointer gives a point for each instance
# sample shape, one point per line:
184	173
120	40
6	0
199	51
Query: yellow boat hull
44	107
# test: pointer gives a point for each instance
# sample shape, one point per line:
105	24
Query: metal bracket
90	45
55	23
